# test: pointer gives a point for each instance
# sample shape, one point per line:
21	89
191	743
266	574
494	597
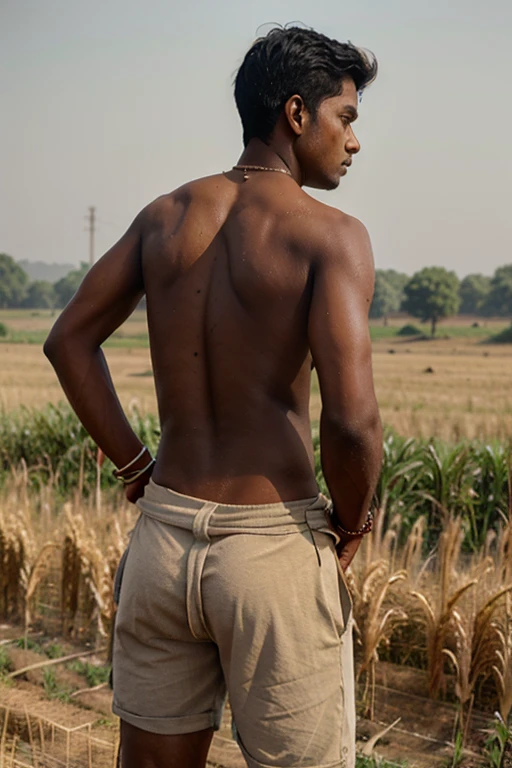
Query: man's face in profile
328	141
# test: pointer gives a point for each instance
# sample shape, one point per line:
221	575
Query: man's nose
352	145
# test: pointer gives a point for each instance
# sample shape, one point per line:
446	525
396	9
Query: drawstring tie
313	539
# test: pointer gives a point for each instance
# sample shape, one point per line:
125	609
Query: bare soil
84	724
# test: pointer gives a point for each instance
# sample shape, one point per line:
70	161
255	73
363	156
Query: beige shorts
245	599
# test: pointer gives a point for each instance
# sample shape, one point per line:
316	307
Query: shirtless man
249	283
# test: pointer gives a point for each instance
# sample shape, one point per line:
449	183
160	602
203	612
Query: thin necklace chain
246	168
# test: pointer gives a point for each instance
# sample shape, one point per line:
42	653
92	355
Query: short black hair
295	60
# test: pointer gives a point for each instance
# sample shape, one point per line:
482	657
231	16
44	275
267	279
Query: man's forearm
351	462
86	381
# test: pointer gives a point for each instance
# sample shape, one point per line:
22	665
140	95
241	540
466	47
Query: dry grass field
468	394
451	388
27	378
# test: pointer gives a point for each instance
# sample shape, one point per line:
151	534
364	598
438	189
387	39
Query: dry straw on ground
34	741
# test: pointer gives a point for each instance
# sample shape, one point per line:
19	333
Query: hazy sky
113	103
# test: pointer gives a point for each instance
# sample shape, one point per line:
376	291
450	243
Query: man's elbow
51	346
60	345
358	428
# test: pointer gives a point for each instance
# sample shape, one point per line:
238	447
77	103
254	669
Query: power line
103	222
92	221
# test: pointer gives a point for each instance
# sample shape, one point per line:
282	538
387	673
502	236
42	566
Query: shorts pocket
337	595
118	578
345	596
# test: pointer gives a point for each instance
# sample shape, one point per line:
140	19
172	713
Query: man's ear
295	112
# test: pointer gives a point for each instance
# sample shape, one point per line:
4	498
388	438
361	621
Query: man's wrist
136	467
351	534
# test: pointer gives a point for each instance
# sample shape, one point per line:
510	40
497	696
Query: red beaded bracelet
365	528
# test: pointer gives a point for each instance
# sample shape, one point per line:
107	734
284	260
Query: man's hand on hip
346	550
134	491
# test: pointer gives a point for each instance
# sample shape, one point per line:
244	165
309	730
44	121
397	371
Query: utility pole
92	217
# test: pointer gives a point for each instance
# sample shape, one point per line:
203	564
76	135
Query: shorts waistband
177	509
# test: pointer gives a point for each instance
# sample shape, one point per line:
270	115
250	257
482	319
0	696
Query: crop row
430	478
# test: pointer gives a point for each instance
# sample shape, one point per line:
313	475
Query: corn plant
498	742
56	449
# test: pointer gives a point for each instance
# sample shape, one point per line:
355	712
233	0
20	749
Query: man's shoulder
335	233
159	209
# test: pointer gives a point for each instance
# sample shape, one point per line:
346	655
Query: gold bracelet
365	528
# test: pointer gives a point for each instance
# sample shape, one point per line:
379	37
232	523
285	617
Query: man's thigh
141	749
165	681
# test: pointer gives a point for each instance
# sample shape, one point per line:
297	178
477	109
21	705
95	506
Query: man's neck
269	156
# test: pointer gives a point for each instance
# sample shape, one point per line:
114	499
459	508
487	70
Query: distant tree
40	295
389	293
67	286
431	294
499	298
398	280
13	282
386	298
474	290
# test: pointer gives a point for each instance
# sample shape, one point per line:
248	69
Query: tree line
430	294
17	290
433	293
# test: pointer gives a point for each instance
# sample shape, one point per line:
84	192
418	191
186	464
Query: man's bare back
228	274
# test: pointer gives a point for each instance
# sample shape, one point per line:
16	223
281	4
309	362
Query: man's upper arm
108	294
338	329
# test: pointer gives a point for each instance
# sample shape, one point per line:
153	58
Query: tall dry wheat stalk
461	606
87	575
372	623
14	557
476	626
502	668
90	540
438	604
